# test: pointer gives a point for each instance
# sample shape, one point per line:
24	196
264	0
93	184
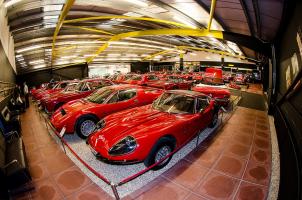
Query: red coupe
57	88
142	80
171	83
219	92
83	89
48	86
82	115
152	132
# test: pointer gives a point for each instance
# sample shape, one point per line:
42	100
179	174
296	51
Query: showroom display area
122	180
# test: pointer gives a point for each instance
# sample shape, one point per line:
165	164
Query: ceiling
33	22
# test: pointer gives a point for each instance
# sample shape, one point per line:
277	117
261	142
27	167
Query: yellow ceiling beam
62	17
223	53
89	29
129	18
180	32
213	5
150	57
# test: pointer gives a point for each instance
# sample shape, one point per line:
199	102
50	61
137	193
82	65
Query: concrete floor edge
275	172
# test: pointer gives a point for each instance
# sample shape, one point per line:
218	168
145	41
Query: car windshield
100	96
70	87
175	103
81	86
136	78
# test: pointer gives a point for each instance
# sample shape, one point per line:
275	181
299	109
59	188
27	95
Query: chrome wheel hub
161	153
87	127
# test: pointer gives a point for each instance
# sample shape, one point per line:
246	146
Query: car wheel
214	120
161	149
85	126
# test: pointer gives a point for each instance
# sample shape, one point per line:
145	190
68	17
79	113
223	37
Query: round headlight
126	145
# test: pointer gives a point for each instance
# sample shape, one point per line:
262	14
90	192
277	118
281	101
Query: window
126	95
100	96
202	103
175	103
63	85
114	98
153	78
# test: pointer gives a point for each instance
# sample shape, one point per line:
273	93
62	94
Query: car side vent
63	112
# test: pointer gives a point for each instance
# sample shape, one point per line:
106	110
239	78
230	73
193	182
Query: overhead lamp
28	48
19	56
114	54
36	61
50	17
10	3
193	54
49	25
138	2
39	66
184	21
48	8
67	57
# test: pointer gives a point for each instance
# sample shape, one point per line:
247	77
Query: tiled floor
234	164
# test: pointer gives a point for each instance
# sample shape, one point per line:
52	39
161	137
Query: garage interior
75	74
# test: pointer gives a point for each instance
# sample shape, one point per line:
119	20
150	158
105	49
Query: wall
140	66
43	76
6	39
288	110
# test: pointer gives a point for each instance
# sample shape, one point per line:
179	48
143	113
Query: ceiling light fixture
138	2
10	3
36	62
48	8
28	48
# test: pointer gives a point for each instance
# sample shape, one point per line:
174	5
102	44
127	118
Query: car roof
187	92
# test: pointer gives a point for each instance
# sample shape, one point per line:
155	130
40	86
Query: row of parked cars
133	117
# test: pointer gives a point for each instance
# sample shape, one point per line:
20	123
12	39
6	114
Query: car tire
162	148
83	124
214	120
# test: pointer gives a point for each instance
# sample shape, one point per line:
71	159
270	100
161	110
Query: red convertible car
213	76
171	83
219	92
83	89
152	132
82	115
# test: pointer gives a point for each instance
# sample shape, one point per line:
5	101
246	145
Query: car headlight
126	145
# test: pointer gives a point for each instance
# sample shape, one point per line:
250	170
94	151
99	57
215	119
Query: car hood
79	104
211	90
137	122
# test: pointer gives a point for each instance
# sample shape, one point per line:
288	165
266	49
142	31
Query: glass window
126	95
114	98
202	103
175	103
100	96
152	77
63	85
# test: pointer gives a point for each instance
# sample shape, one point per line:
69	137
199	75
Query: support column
181	62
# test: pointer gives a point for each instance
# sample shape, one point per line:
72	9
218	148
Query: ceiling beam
247	16
257	14
212	11
63	15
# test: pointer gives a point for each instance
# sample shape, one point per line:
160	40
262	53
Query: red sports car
151	132
142	79
171	83
57	88
213	76
82	115
240	79
48	86
219	92
83	89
